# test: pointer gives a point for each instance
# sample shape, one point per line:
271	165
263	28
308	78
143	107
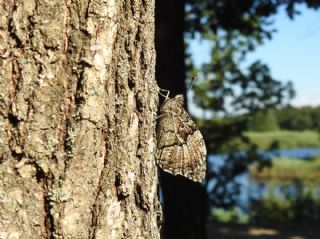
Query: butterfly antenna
192	83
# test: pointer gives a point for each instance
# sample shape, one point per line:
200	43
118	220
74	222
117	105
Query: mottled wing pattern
181	148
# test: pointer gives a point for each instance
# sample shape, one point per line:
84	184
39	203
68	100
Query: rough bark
77	119
185	204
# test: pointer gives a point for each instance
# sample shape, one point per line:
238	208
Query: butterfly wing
181	148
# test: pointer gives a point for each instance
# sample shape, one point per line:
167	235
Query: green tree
302	118
315	116
263	121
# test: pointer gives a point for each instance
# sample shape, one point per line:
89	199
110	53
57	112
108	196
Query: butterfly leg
162	115
164	95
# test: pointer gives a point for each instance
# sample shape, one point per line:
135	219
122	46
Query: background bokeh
257	104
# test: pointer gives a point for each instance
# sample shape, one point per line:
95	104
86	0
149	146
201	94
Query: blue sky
292	54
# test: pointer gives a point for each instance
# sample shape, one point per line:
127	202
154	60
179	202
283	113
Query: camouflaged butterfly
181	148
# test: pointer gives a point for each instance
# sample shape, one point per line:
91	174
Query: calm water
251	188
303	153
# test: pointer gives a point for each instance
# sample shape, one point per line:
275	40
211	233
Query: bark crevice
49	220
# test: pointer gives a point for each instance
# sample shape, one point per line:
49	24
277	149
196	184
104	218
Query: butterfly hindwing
181	148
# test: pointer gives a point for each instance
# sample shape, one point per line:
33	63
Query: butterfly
180	145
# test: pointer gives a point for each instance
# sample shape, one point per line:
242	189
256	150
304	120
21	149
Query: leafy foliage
235	28
263	121
302	206
232	215
303	118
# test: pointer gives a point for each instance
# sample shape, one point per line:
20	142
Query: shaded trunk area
184	202
77	119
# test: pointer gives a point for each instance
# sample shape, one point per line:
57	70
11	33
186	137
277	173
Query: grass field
279	231
285	139
289	169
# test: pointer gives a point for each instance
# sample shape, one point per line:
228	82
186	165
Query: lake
252	189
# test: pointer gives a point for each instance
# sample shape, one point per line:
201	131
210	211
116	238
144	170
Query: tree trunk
185	202
77	119
170	67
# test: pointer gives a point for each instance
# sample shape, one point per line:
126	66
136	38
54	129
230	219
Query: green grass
285	139
289	169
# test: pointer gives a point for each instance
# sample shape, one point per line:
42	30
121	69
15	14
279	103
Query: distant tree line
285	118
